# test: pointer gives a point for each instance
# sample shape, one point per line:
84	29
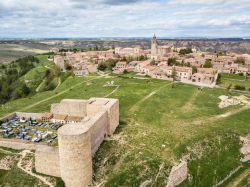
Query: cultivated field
10	52
159	124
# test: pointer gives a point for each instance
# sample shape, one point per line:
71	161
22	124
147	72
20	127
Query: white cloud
90	18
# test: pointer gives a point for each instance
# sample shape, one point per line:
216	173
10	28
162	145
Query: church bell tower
154	47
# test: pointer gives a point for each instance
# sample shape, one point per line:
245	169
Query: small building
59	118
47	117
180	72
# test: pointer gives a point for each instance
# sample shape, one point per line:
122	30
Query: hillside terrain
160	122
10	51
13	49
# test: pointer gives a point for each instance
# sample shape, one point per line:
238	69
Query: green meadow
159	124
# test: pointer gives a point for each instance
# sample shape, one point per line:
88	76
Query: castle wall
99	128
111	106
8	117
113	115
70	107
47	160
17	144
29	115
75	155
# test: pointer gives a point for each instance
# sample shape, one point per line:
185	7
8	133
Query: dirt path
112	91
28	169
59	82
230	113
58	94
51	97
239	178
135	106
40	85
189	104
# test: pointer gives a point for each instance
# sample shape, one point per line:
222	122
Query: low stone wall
17	144
178	174
29	115
47	160
8	117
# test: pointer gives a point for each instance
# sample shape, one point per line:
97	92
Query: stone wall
70	107
75	155
17	144
8	117
178	174
47	160
29	115
111	106
98	129
113	114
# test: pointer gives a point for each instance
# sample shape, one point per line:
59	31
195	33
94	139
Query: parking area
30	130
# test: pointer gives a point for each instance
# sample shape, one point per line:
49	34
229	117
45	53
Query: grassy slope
156	130
228	79
35	76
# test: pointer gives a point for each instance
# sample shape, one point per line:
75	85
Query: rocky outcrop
245	149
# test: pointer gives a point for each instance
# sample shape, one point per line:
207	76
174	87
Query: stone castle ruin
77	142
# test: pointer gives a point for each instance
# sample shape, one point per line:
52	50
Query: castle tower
154	47
75	155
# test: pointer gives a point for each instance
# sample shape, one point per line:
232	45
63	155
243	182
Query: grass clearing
158	125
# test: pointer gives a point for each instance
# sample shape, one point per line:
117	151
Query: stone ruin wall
178	174
47	160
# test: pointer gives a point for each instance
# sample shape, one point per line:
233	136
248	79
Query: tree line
11	87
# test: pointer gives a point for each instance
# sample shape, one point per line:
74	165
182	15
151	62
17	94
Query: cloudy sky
124	18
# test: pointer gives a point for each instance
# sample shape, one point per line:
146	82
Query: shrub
240	60
208	64
239	87
229	86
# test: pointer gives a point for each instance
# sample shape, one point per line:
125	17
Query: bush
185	51
229	86
208	64
218	81
241	74
240	60
238	87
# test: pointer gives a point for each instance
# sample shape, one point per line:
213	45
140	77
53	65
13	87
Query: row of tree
11	86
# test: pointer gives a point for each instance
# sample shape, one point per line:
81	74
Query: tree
218	81
240	60
152	63
67	65
208	64
185	51
174	75
102	66
239	87
172	61
194	69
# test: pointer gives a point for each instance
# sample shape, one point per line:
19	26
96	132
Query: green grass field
231	79
158	125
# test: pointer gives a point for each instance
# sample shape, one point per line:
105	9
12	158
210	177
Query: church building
158	51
